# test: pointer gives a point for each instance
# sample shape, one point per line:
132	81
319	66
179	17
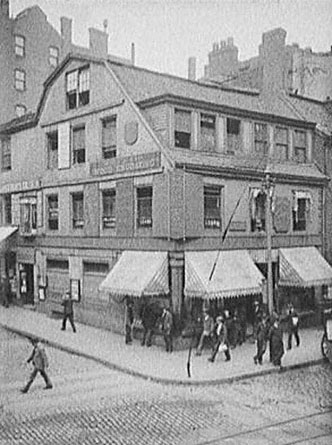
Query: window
208	132
79	145
257	210
53	57
144	207
233	135
300	146
6	159
109	137
7	207
182	129
57	264
281	143
109	197
20	110
52	150
212	207
78	88
261	138
20	46
78	210
53	212
28	216
301	210
95	268
19	80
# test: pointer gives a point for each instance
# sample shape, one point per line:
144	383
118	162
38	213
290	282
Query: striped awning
5	233
235	274
137	274
303	267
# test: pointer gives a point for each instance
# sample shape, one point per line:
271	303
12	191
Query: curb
161	380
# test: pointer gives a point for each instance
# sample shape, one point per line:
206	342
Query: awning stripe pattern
235	275
6	231
138	273
303	267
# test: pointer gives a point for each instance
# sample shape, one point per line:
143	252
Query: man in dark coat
262	335
292	326
242	315
149	315
68	311
207	333
39	360
167	329
5	290
257	316
221	340
276	343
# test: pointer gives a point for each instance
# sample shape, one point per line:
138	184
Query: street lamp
268	186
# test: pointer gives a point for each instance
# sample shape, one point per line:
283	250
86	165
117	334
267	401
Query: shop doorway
26	283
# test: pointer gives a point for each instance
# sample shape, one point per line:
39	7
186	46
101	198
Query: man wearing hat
222	343
40	363
68	311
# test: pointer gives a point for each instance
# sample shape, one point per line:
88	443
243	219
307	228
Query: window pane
208	133
109	209
212	207
79	145
53	212
6	154
78	211
84	80
52	150
71	83
144	207
233	126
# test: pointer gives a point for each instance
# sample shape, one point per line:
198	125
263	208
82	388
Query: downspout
169	205
184	204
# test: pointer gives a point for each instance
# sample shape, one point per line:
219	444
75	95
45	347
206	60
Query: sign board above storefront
145	161
20	186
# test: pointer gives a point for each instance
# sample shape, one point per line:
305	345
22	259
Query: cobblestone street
93	405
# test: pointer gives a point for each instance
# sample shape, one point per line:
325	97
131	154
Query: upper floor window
257	210
144	206
28	216
109	137
6	161
20	46
78	87
300	146
79	145
78	210
20	110
208	132
212	207
53	57
7	209
109	197
52	150
302	203
233	135
261	138
281	143
53	212
182	128
20	80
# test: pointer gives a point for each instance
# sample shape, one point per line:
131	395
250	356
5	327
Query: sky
167	32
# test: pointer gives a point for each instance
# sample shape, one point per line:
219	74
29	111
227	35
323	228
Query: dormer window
300	146
53	56
78	88
182	128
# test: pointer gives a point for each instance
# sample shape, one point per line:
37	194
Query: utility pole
268	187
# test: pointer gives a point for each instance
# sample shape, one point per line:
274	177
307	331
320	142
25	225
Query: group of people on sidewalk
224	333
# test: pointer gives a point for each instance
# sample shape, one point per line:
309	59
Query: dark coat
39	358
67	304
149	315
277	344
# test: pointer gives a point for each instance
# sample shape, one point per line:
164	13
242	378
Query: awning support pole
268	186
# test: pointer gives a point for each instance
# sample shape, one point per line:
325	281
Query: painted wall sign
126	164
238	226
20	186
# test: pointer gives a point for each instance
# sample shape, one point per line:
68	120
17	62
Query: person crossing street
39	360
68	311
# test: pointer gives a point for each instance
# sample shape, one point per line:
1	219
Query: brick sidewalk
154	363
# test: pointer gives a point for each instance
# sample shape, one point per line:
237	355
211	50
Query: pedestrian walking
242	313
129	321
207	334
39	360
167	329
277	344
68	311
221	340
4	290
262	335
258	312
292	327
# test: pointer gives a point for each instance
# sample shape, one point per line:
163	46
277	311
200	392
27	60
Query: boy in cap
39	360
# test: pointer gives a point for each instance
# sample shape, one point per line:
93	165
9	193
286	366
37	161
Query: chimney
273	56
98	42
133	54
66	33
192	68
4	8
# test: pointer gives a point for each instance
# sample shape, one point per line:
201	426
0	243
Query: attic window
78	88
